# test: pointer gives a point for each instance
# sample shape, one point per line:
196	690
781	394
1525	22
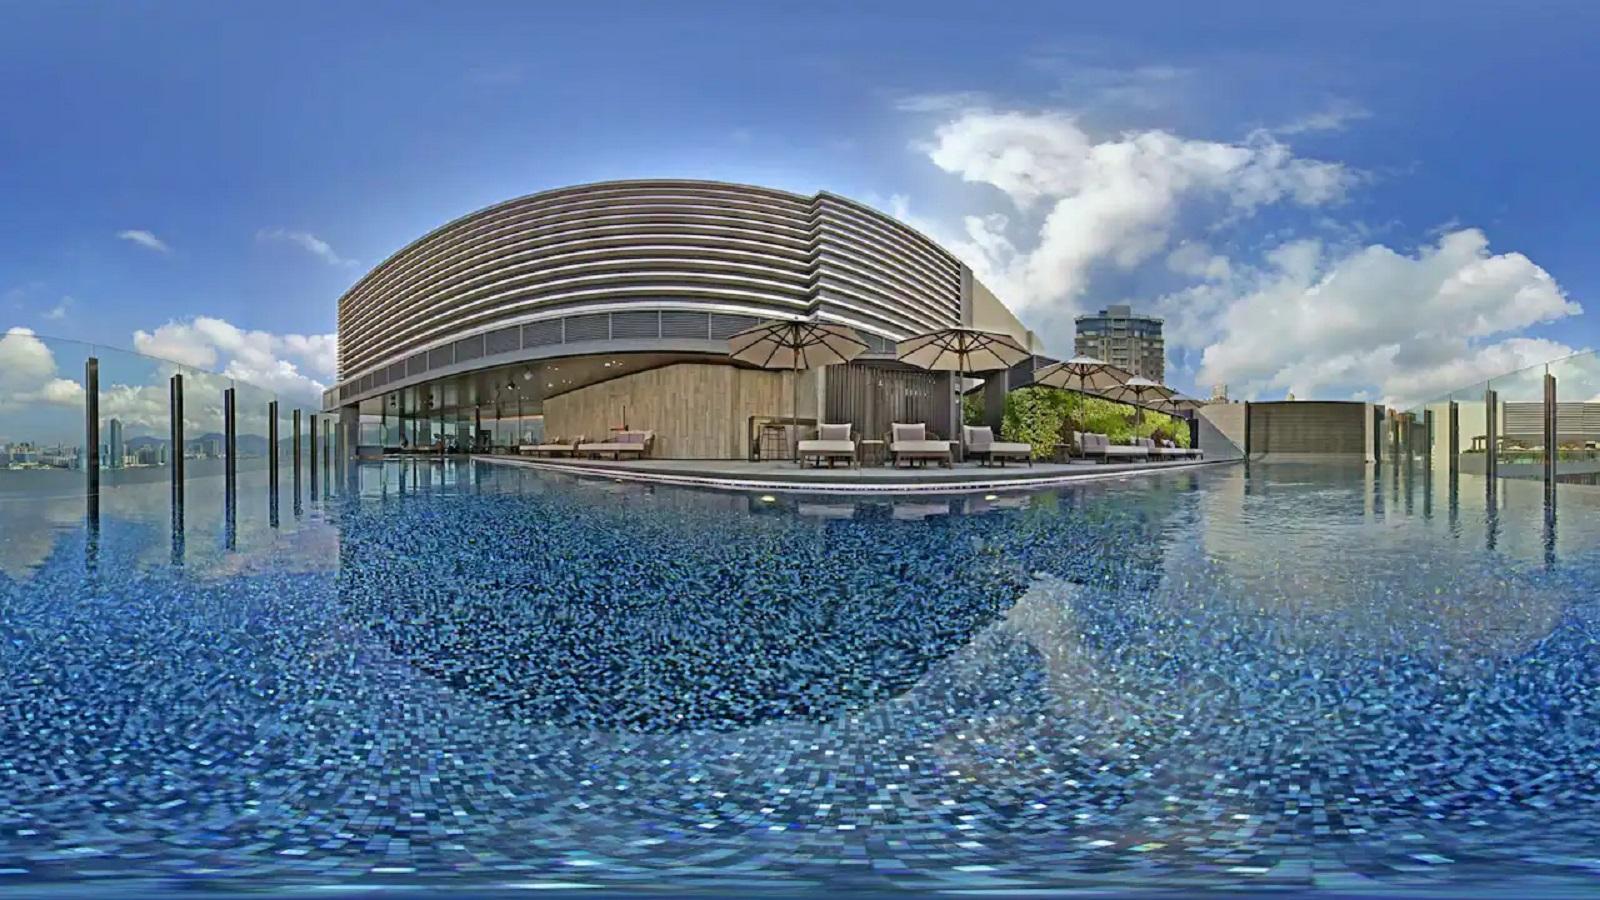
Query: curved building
590	308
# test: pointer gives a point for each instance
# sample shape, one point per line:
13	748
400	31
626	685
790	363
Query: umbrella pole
961	420
794	417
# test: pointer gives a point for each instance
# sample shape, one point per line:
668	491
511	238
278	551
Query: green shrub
1044	417
972	409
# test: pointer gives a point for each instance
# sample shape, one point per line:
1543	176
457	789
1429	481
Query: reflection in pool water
482	676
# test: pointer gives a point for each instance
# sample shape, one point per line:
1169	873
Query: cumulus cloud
307	241
145	239
28	373
291	364
1320	321
1115	201
31	381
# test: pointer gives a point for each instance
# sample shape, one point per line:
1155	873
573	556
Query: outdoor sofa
635	444
553	447
1190	452
832	443
982	446
909	443
1099	447
1163	449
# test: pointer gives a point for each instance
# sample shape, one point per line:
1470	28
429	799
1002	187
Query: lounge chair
1125	452
911	444
1099	447
832	443
1161	450
553	447
982	446
636	444
1089	445
1188	452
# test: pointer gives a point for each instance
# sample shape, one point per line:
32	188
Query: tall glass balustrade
1537	423
76	418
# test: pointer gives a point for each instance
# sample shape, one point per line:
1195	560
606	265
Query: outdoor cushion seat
632	443
831	443
910	442
1162	450
982	445
553	447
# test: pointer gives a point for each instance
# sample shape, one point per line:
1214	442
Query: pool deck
740	475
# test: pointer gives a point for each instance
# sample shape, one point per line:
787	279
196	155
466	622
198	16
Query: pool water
482	677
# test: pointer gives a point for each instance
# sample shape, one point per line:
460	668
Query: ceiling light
768	498
991	496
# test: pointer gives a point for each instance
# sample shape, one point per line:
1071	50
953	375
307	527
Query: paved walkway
786	476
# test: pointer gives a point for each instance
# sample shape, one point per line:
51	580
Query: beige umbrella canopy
796	344
1084	374
1176	404
963	351
1140	390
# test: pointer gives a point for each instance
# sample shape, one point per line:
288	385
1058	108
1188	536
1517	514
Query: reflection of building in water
1301	581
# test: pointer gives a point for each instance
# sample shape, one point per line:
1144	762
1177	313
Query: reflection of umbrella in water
796	344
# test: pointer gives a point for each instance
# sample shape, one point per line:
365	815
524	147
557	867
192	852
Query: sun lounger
832	443
552	447
1188	452
1125	452
983	447
911	444
636	444
1162	450
1099	447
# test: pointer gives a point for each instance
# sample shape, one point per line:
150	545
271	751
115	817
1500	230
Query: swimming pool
475	676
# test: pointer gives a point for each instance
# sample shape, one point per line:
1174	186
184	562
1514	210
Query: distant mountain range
249	444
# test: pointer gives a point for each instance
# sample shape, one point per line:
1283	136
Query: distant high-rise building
114	433
1219	393
1127	340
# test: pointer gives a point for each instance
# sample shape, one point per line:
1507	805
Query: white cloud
307	241
59	311
290	364
1115	201
145	239
1321	322
1335	117
28	372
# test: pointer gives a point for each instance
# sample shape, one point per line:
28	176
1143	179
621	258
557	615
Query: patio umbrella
963	351
796	344
1083	374
1139	388
1177	404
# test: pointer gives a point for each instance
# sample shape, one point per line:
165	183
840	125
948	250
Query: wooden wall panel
697	410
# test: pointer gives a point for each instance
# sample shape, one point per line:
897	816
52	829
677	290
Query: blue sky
1339	200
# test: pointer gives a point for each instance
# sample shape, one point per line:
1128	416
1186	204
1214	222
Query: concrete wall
697	410
1310	430
1222	430
982	309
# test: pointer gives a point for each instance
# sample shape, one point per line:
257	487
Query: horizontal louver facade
636	261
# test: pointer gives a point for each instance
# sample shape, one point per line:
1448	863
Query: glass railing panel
1577	381
42	454
1521	443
